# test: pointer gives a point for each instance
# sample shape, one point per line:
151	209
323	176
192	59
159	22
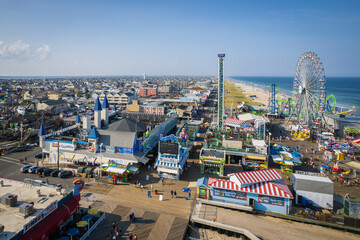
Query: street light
269	142
101	144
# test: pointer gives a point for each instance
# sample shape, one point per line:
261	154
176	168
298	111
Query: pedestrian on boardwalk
175	194
152	187
172	193
189	196
162	180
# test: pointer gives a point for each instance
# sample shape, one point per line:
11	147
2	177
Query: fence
93	227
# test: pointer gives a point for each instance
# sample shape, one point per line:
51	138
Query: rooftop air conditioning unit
26	209
9	199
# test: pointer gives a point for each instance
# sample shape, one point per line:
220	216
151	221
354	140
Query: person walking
175	194
172	193
189	196
152	187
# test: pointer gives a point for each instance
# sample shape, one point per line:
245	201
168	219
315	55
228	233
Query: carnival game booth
313	190
117	171
171	158
263	190
212	161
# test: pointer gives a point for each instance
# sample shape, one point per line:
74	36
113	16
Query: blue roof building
94	134
78	120
97	106
105	103
42	131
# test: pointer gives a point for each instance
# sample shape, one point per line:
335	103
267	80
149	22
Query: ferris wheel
309	88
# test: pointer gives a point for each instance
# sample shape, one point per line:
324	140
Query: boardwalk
147	225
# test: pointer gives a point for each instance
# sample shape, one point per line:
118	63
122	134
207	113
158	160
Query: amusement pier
178	158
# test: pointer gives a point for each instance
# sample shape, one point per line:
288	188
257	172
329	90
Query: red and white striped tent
249	129
232	122
256	176
275	189
357	141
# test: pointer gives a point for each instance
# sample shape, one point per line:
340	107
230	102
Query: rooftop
10	217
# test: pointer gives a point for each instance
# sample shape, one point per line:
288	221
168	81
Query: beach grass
234	96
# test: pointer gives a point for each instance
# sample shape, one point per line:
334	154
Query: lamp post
101	144
269	143
58	152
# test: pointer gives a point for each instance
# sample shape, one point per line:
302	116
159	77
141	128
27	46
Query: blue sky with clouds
260	38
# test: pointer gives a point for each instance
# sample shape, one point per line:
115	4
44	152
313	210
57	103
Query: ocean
345	89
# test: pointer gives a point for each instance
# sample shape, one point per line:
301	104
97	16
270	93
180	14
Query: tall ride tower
221	91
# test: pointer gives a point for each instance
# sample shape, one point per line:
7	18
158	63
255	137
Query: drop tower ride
221	91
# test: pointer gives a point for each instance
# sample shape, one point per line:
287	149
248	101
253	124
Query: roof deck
10	217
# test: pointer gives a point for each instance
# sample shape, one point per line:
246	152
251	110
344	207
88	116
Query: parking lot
10	168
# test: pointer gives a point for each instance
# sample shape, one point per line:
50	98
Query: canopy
73	231
186	190
93	211
81	224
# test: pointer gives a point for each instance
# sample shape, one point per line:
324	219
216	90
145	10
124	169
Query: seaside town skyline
179	120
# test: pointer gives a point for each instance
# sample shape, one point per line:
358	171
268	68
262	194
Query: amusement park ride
308	102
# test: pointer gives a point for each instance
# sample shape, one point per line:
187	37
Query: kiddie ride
337	169
301	133
286	157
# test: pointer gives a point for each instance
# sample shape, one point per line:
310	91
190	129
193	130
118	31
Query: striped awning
257	176
278	189
167	164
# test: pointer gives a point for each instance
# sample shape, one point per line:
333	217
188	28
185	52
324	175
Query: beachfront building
122	142
312	190
212	161
241	144
171	158
262	190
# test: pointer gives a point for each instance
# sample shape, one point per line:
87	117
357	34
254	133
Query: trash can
161	197
1	183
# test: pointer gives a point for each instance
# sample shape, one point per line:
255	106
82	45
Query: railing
96	224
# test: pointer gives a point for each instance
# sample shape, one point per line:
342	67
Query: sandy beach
260	95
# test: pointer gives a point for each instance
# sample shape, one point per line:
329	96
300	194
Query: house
55	95
185	112
154	108
53	106
133	107
262	190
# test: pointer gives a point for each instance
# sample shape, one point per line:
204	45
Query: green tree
78	93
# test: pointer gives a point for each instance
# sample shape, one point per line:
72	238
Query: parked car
39	155
40	170
25	169
33	169
65	174
48	172
55	173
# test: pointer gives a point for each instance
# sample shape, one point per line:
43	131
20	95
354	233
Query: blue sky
260	38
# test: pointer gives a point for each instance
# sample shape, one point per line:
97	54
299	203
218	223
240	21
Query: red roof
257	176
235	121
277	189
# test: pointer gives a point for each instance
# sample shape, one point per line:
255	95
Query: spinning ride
309	90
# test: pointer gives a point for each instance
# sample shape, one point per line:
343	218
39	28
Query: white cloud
19	51
43	51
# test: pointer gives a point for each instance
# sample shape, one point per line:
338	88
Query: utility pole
101	144
58	152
